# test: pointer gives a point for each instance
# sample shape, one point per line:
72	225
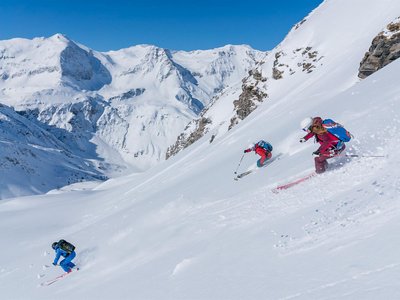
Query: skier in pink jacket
330	144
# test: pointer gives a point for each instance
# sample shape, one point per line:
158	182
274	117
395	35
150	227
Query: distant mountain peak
60	37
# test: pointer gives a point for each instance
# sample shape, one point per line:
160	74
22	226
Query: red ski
51	281
293	183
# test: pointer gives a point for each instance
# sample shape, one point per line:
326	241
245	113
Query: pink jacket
327	141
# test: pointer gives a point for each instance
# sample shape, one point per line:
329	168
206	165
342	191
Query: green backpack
66	246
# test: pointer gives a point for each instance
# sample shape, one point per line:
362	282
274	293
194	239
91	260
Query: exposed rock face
252	95
300	23
307	60
276	73
183	141
385	48
129	94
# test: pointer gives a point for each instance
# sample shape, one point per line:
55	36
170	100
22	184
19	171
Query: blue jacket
59	252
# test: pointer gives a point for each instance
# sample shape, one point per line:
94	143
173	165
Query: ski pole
356	155
239	164
353	155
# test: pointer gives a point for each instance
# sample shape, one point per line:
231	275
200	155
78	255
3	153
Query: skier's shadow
338	162
85	257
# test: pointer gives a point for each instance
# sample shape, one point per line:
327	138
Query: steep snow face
29	65
186	230
33	160
317	52
124	107
81	69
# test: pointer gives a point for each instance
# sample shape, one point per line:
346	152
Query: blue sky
180	25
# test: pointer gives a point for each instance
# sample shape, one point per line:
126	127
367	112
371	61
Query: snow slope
186	230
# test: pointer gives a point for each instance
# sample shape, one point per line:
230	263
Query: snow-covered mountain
33	161
186	230
310	56
121	108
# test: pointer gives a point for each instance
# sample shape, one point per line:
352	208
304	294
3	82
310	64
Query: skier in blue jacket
66	263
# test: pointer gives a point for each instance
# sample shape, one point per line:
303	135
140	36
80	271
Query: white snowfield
186	230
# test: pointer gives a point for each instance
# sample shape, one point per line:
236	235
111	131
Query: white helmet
306	123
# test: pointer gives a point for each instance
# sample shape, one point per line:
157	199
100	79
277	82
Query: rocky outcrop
128	95
184	141
303	59
297	26
253	93
384	49
276	72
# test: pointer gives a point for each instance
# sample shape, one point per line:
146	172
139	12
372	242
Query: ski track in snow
322	290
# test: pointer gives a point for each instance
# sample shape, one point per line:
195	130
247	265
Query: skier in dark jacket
263	149
66	263
330	144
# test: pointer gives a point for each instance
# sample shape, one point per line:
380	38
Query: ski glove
316	153
247	151
54	264
303	140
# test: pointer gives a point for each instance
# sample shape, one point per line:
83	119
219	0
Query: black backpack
66	246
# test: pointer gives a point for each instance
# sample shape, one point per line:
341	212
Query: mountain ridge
143	96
